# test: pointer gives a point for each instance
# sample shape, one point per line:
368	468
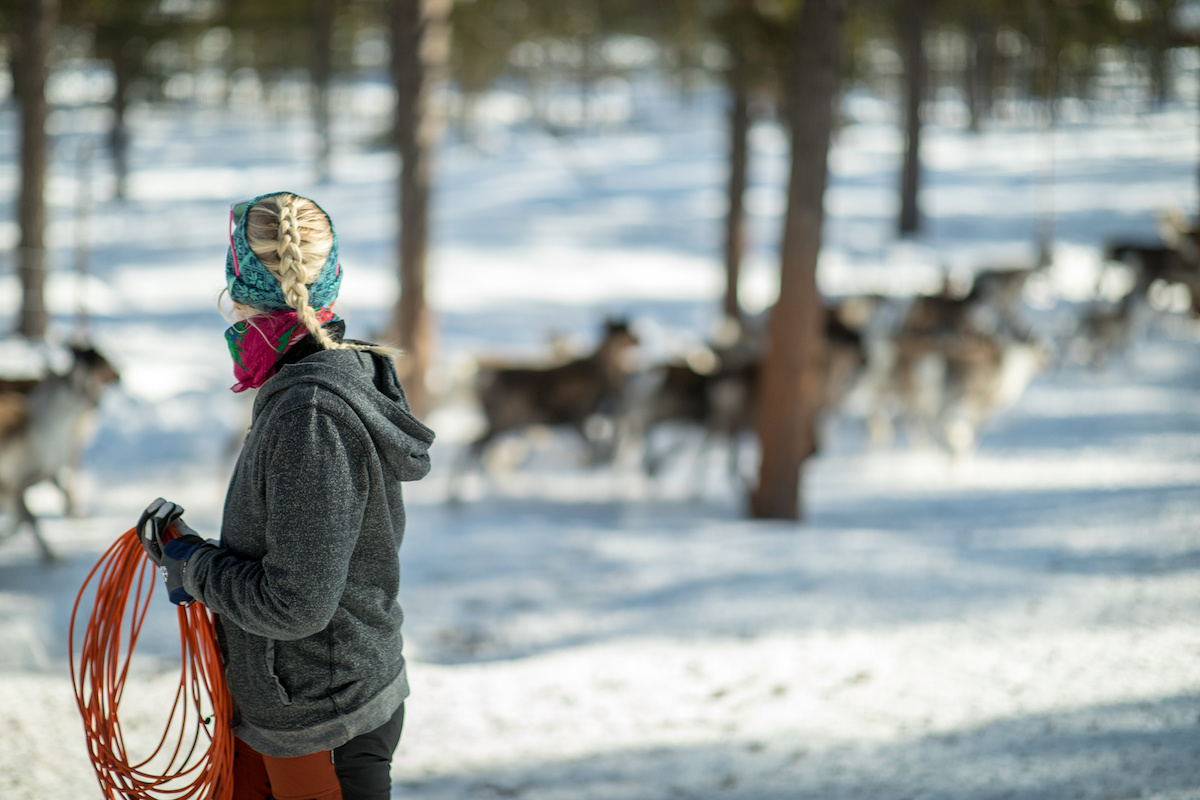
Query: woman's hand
169	552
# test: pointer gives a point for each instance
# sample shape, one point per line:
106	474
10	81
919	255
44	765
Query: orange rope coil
179	771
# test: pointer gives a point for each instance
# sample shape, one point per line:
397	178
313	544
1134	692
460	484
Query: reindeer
718	393
1175	259
1107	327
946	387
953	363
40	432
1105	330
982	382
573	395
1150	262
992	306
718	397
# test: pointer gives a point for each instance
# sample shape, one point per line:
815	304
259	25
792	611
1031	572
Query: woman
304	581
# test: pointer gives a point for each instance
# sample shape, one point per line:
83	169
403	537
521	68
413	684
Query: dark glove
170	552
154	522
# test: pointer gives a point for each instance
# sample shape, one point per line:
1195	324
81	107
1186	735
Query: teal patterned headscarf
251	283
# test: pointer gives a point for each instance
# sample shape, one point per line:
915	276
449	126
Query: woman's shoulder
313	397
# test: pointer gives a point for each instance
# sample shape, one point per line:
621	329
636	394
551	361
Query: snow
1020	623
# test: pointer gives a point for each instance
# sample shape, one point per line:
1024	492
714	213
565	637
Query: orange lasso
198	763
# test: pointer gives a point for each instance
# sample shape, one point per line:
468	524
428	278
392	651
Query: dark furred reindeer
721	400
567	395
1173	260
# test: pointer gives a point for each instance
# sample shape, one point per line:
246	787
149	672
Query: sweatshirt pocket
284	696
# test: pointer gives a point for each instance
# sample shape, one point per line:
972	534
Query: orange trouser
259	777
362	771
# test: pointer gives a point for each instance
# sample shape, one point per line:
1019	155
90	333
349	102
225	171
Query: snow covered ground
1021	624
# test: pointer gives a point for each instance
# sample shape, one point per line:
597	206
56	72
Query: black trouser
364	764
358	770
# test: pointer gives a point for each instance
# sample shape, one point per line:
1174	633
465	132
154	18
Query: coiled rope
199	762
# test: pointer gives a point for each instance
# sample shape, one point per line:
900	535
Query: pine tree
790	377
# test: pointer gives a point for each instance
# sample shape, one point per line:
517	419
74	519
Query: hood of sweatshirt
368	383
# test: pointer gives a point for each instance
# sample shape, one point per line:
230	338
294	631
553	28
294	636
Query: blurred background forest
408	75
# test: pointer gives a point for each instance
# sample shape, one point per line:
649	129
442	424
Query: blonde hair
292	238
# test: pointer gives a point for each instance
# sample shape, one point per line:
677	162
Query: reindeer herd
937	368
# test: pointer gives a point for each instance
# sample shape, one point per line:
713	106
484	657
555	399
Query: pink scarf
256	344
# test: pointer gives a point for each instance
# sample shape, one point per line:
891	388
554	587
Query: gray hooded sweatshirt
305	581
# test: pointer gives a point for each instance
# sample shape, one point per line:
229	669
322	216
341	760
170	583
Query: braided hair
292	238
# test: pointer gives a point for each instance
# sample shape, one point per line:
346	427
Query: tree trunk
980	78
912	30
118	134
1160	43
36	20
1046	88
790	377
587	78
419	54
83	215
322	73
735	218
